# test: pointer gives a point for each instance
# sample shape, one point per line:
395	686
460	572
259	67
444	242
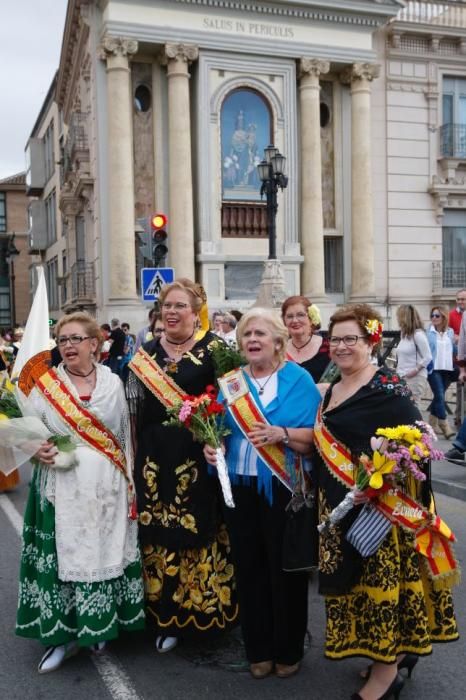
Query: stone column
312	223
362	226
177	58
121	251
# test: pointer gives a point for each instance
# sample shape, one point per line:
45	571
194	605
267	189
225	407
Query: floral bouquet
398	454
204	416
21	437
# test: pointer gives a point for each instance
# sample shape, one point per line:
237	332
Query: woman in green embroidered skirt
81	576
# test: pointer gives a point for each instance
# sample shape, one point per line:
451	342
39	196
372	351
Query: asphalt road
132	670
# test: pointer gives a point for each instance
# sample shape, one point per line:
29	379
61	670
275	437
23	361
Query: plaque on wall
245	132
242	280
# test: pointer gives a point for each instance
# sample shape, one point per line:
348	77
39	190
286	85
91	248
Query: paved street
132	670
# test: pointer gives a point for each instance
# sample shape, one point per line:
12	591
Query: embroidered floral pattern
390	383
169	514
55	612
382	618
330	554
199	580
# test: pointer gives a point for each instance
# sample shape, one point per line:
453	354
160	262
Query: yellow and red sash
160	384
245	412
432	534
83	423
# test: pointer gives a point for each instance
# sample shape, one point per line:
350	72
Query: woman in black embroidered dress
306	346
382	607
186	551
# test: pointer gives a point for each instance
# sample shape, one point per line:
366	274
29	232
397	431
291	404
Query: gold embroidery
169	514
330	554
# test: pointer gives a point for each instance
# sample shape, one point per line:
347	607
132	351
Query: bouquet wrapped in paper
204	416
21	436
398	454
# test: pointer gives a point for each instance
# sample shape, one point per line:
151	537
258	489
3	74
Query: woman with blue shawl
272	405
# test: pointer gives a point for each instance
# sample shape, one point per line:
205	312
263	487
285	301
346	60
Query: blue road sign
153	279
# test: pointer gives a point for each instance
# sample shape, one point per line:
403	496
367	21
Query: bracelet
286	439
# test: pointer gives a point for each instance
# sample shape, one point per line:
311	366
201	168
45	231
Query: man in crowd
454	321
228	329
141	337
117	347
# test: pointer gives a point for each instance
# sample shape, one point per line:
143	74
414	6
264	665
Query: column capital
186	53
313	67
118	47
360	72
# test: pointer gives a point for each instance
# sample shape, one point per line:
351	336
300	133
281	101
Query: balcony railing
448	276
450	13
244	220
453	140
82	281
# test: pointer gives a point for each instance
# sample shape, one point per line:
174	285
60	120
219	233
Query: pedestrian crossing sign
153	279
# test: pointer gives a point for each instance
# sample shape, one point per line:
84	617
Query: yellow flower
382	465
196	596
3	417
189	522
224	595
145	518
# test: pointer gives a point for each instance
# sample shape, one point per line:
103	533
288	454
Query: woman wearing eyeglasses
441	342
188	575
382	607
412	353
81	575
305	346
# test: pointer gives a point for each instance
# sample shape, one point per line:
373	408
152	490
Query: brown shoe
283	671
261	669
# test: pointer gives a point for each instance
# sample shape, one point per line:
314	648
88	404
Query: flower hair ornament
314	315
374	330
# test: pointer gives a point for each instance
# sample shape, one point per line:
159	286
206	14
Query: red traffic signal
158	221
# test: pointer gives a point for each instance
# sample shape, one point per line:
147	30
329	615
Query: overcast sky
30	41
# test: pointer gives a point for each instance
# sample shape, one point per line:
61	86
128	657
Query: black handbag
300	548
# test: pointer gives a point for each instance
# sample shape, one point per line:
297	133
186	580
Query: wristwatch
286	439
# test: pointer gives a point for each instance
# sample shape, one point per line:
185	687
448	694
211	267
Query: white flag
36	336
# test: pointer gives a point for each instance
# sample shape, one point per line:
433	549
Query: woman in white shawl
81	577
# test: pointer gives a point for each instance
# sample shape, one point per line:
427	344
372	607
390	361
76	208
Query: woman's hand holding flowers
46	453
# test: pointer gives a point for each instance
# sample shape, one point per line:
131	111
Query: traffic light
144	234
158	224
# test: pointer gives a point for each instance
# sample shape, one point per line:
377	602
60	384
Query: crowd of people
136	532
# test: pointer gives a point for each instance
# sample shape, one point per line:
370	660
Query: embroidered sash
245	412
432	534
160	384
82	422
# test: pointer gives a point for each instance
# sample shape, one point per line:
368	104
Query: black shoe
393	691
455	455
408	662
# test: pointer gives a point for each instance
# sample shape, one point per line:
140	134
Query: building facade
15	298
167	105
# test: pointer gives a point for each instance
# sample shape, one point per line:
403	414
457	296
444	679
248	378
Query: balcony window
51	218
454	255
49	152
2	211
453	129
333	264
52	283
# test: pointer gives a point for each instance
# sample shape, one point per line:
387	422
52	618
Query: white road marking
11	513
115	679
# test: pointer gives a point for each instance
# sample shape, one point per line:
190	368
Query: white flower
65	460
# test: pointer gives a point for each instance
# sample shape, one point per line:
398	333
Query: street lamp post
271	173
11	253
